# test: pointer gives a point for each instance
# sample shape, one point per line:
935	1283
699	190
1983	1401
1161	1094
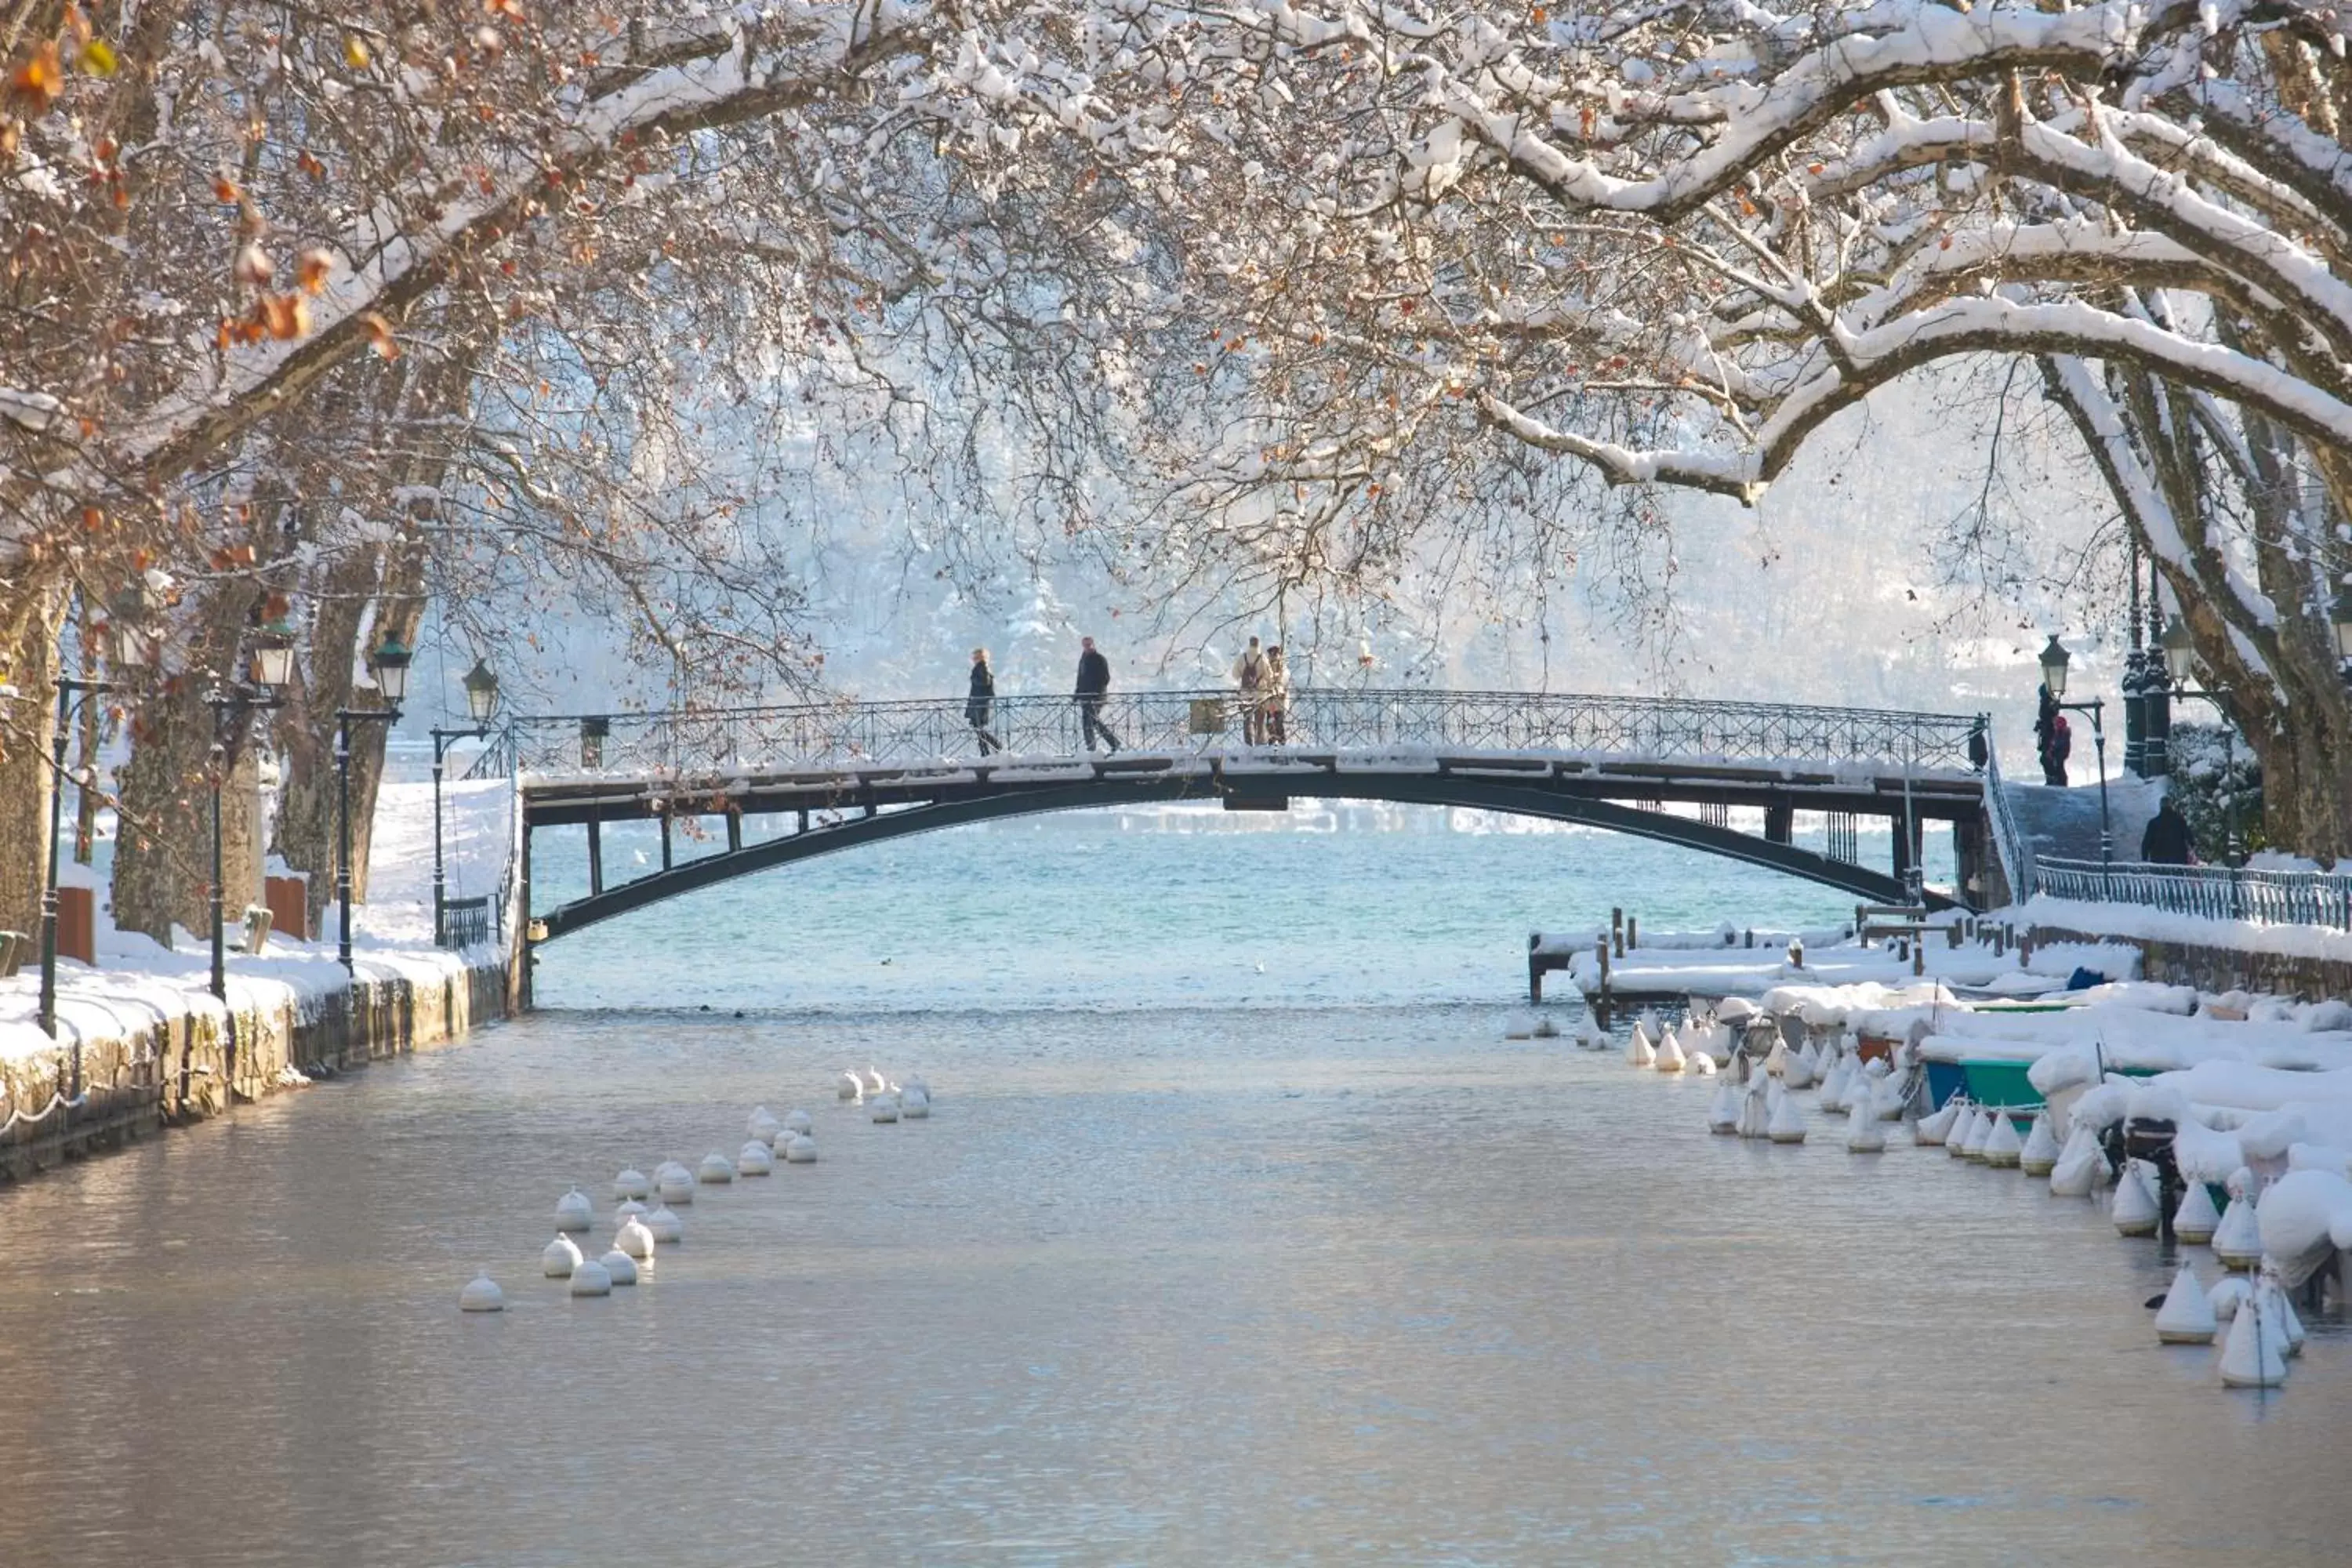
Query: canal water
1239	1233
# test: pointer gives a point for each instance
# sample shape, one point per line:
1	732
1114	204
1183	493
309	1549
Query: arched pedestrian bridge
778	785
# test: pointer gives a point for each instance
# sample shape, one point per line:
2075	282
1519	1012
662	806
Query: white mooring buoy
574	1212
2187	1316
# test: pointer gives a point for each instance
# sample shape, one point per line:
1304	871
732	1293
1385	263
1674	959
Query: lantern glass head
273	664
2053	668
2179	652
134	638
481	692
135	647
390	663
273	654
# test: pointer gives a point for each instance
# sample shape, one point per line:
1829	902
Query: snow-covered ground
138	982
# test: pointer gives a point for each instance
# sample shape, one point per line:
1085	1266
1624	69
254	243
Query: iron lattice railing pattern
932	733
2213	892
466	922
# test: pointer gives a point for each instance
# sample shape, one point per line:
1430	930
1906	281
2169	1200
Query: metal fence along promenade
928	733
2209	892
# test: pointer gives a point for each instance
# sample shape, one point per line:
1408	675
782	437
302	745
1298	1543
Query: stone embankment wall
181	1070
2217	969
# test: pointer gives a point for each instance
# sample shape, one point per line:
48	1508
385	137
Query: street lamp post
2053	676
2180	664
390	665
273	662
481	701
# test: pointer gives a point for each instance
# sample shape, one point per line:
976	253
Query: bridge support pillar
1907	836
1779	824
666	852
734	829
595	856
1968	862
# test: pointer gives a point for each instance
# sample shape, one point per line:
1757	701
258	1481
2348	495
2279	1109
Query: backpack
2061	739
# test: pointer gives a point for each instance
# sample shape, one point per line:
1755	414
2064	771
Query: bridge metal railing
929	732
466	923
2017	859
2213	892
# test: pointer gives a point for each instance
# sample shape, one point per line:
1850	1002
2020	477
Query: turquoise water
1095	911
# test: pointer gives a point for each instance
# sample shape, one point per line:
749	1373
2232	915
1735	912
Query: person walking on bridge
1249	675
1093	685
1273	728
980	709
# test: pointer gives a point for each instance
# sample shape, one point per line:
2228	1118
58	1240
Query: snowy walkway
138	982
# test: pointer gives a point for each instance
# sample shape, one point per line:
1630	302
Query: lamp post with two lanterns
481	701
133	646
389	663
2055	660
2180	665
271	668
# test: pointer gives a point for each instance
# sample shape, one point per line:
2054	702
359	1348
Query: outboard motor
2148	1138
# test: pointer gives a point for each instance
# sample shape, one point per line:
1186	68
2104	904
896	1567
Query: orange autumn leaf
254	265
380	338
355	52
225	189
310	270
40	79
286	316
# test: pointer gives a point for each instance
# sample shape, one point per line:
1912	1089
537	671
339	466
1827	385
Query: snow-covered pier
1707	966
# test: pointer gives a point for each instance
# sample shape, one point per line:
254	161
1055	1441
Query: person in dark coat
2053	741
2167	840
980	709
1094	684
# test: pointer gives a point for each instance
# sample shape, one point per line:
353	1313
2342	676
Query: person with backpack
1249	675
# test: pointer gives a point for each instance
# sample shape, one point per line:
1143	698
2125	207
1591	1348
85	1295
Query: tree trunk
388	582
306	818
163	848
25	730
